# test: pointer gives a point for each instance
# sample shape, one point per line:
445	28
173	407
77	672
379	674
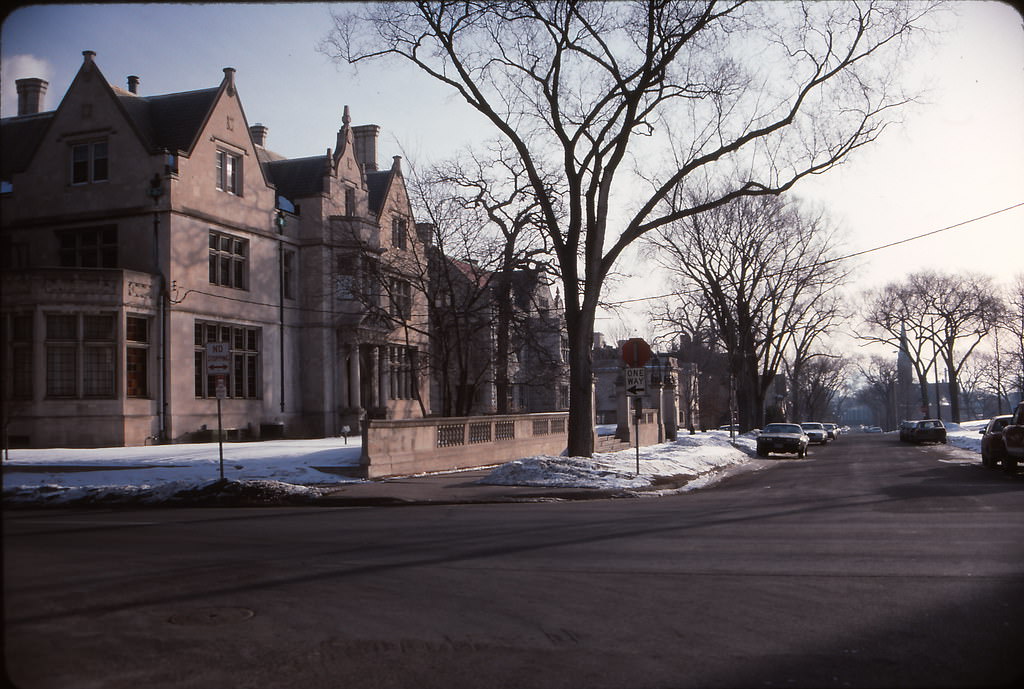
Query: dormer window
89	162
229	172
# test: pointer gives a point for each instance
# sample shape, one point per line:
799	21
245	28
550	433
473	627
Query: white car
815	432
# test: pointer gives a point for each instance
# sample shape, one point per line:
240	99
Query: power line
855	254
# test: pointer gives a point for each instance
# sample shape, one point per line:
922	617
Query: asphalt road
871	564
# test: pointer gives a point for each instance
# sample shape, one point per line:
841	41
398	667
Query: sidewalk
463	488
448	489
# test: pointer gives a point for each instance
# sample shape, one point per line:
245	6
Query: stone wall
415	446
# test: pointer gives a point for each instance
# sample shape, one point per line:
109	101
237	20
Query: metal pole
636	427
220	440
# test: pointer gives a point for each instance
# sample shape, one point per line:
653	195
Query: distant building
468	334
670	385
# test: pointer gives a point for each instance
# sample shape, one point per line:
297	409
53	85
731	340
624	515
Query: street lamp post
279	222
657	382
156	191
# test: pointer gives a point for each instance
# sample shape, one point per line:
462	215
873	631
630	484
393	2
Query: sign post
635	354
218	365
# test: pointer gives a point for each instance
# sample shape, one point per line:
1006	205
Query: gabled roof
297	177
377	183
19	137
172	121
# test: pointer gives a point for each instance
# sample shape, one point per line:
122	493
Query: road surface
870	564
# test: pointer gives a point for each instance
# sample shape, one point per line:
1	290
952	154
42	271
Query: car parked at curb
785	438
832	430
927	431
1013	439
993	447
815	432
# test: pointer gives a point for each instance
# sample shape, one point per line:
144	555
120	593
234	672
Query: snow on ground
691	455
157	472
966	435
307	468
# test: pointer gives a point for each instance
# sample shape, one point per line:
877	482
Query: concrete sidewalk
464	488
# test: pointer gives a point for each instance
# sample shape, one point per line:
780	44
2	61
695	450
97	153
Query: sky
288	467
956	156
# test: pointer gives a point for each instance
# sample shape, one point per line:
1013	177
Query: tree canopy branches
709	101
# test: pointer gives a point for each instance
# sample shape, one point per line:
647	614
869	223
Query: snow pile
966	435
296	471
274	470
689	457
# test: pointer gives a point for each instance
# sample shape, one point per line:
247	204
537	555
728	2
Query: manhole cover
210	617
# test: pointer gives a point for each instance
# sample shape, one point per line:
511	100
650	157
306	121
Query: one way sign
636	382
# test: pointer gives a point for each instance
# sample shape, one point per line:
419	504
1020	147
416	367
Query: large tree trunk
923	381
954	394
580	331
501	360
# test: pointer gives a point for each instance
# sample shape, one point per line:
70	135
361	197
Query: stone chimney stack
259	134
366	145
30	95
133	84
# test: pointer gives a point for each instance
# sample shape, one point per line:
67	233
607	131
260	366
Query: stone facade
136	230
672	392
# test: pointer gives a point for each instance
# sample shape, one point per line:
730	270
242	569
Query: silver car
815	432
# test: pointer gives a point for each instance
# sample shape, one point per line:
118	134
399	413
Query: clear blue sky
959	156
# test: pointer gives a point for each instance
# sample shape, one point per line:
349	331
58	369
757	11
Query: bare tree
481	274
963	309
979	390
946	315
878	391
811	372
1013	324
895	315
750	96
495	185
759	269
819	385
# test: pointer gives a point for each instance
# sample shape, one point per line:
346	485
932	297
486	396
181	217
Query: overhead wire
176	300
847	256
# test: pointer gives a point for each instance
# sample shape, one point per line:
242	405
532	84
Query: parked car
873	429
832	430
1013	440
927	431
787	438
993	448
816	432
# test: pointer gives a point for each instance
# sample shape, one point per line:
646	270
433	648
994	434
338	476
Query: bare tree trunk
580	331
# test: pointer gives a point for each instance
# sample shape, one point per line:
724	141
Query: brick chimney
366	145
30	95
258	132
133	84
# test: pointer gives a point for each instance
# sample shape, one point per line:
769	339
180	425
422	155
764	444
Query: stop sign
636	352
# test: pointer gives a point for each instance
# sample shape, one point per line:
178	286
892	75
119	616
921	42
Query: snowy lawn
157	473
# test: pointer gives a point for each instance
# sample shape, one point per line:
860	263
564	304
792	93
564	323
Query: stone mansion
138	230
